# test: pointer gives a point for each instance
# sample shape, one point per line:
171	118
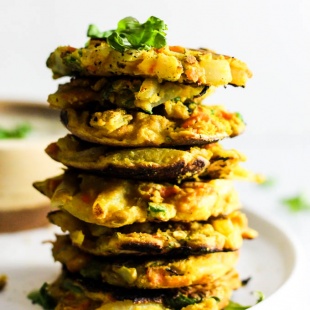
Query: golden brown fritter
124	92
173	238
143	163
225	164
118	202
144	272
197	124
209	161
70	291
170	63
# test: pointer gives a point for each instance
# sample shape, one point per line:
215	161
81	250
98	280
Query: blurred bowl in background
25	131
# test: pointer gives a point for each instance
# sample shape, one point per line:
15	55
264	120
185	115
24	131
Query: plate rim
298	258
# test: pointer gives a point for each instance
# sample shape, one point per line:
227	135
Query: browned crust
207	124
164	238
179	169
95	294
157	173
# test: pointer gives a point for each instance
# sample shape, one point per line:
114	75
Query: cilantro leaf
131	34
297	203
235	306
42	298
94	32
20	131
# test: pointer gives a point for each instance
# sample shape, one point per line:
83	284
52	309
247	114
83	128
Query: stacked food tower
147	204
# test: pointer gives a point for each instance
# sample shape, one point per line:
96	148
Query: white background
272	37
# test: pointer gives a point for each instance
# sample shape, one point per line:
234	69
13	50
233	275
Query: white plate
272	261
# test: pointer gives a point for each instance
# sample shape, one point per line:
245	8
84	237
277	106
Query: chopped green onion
156	208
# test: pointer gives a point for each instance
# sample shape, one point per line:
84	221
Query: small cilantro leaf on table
297	203
18	132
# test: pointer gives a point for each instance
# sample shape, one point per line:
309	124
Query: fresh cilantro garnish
42	298
235	306
239	115
18	132
131	34
297	203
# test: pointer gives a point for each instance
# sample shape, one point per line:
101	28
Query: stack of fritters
147	202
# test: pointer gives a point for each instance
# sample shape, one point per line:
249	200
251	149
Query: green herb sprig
43	298
18	132
300	202
235	306
131	34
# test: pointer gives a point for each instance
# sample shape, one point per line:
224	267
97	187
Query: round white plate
273	261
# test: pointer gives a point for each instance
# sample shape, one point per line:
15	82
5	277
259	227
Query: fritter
124	92
144	272
118	202
143	163
170	63
209	161
70	291
197	124
172	238
225	164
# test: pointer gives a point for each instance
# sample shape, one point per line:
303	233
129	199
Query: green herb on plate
18	132
131	34
235	306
